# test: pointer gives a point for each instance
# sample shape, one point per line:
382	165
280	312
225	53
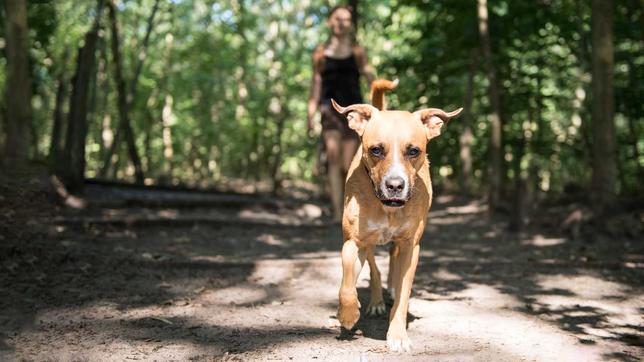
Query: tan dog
388	193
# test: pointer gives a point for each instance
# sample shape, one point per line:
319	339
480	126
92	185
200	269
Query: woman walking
337	66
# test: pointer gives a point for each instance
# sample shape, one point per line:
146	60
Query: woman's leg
333	145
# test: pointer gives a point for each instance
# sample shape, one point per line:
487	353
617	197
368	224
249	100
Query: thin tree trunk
18	114
73	172
634	82
107	156
168	150
465	139
495	149
142	53
537	142
123	106
147	143
282	116
55	146
520	187
106	134
604	179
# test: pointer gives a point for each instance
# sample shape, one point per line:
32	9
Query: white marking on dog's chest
384	232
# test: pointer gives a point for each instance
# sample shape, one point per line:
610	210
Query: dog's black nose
395	185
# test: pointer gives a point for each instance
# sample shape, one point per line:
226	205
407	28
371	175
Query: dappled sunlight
541	241
172	176
487	297
585	286
444	274
494	334
270	239
250	289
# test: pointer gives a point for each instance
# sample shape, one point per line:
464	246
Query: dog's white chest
382	230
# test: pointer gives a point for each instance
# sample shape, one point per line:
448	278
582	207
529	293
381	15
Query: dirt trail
258	280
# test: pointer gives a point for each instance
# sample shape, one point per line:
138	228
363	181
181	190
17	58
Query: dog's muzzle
392	192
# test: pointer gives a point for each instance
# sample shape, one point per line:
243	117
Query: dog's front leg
353	258
407	260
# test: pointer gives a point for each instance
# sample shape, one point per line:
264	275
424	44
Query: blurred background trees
202	91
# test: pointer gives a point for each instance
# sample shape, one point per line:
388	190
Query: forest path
257	279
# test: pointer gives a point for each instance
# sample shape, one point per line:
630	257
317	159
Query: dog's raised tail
378	89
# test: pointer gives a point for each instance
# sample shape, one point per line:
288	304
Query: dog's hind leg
376	302
394	250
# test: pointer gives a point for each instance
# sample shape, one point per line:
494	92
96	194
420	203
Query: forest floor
151	274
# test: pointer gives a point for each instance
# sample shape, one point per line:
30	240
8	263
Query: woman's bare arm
314	97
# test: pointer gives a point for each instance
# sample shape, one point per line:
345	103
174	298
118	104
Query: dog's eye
376	151
413	152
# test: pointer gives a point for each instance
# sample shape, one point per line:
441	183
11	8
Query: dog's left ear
434	118
357	114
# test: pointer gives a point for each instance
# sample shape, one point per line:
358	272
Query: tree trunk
55	146
73	171
18	87
281	119
142	53
167	116
520	187
104	119
168	150
465	139
107	156
632	118
123	107
604	177
495	149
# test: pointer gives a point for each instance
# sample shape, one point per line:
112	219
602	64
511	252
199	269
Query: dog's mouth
383	199
393	202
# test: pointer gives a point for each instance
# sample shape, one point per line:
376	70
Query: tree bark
632	118
465	139
604	178
18	114
104	119
73	171
168	150
55	146
495	149
123	107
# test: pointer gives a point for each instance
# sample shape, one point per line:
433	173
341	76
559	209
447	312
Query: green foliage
219	76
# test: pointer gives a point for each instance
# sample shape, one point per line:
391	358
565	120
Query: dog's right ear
357	114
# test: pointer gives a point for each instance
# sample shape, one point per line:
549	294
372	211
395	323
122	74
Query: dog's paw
398	341
349	313
376	309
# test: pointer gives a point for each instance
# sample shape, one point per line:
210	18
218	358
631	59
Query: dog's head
394	145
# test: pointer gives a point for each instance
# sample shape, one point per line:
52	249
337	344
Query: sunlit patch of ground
259	292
